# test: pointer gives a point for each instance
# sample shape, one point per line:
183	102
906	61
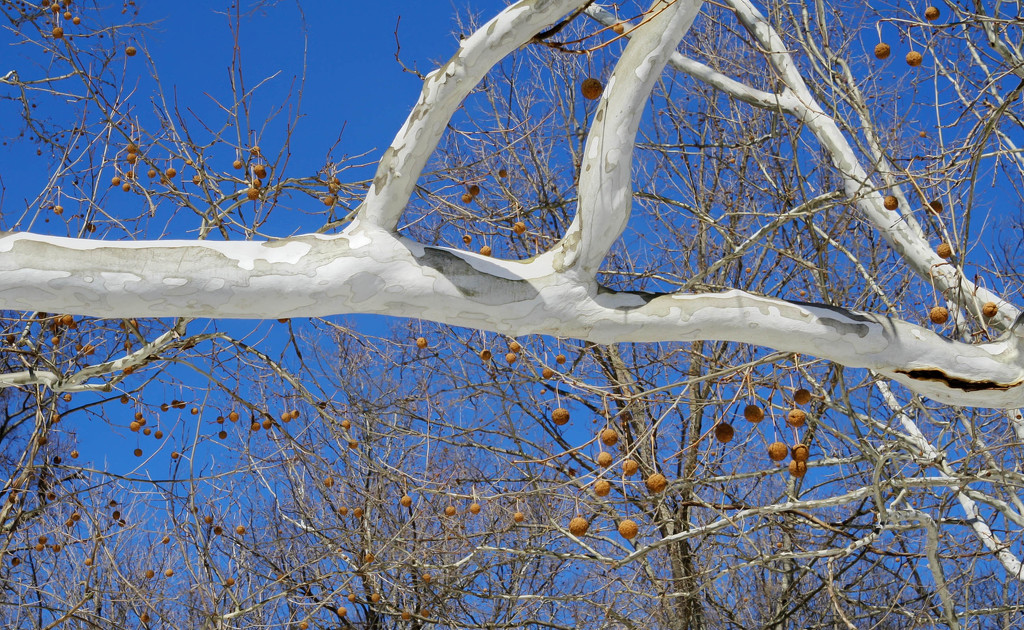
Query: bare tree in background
733	346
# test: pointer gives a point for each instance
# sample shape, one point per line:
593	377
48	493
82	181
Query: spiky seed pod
944	251
604	459
657	483
914	58
560	416
591	89
802	396
602	487
628	529
724	432
629	467
882	51
753	413
777	451
890	203
938	315
578	526
609	437
799	452
797	469
931	14
989	309
796	418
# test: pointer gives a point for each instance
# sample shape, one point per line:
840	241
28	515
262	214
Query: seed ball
260	170
466	197
724	432
547	373
240	530
467	239
515	346
421	342
560	359
938	315
931	14
628	529
989	309
485	250
560	416
591	89
796	418
936	206
914	58
329	200
882	51
252	194
802	396
511	357
891	203
519	227
485	355
797	469
474	508
58	32
753	413
130	51
777	451
405	501
450	511
502	172
657	483
944	251
629	467
799	452
237	164
126	186
578	526
369	558
618	28
519	517
609	437
170	172
115	181
602	487
604	459
138	452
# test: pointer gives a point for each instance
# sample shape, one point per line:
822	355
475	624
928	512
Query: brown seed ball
115	181
130	51
375	597
369	558
882	51
560	416
126	186
591	89
802	396
260	170
485	355
944	251
138	452
502	172
618	28
466	197
426	577
329	200
511	357
604	459
170	172
777	451
240	530
560	359
799	452
150	574
609	437
891	203
724	432
485	250
602	487
474	508
252	194
421	342
628	529
519	227
169	572
931	14
547	373
515	346
229	582
237	164
467	239
657	483
629	467
753	413
989	309
406	615
405	501
450	511
914	58
797	469
519	517
578	526
938	315
936	206
796	418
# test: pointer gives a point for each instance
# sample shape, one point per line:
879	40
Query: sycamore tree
710	324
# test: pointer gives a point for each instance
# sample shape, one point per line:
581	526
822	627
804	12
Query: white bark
369	268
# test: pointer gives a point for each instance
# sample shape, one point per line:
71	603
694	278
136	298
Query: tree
768	160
